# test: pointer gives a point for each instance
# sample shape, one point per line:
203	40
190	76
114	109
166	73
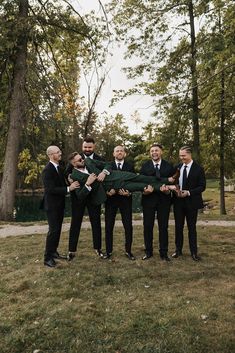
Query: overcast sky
116	80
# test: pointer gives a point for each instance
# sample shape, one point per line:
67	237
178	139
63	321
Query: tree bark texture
193	69
16	115
222	127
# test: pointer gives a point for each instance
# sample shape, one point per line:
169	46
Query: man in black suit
88	149
156	202
188	201
55	189
122	201
78	209
96	179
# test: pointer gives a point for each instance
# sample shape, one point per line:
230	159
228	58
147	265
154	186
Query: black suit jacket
55	188
166	170
125	167
117	199
196	184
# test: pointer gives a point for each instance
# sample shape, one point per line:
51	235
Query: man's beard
80	164
88	153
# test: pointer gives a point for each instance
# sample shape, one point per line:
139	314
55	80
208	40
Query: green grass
98	306
212	183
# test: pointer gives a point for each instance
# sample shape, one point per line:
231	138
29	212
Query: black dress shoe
176	254
195	257
165	258
57	256
107	255
50	263
147	256
99	253
130	256
71	256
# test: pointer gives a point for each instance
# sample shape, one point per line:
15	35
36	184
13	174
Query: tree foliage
158	36
57	41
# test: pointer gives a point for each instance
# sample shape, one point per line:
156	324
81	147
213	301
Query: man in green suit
102	178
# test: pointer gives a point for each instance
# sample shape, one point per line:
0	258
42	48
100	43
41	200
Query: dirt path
7	230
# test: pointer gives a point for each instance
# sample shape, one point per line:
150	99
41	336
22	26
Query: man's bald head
119	152
54	153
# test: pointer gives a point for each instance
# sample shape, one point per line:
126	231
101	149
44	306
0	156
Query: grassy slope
92	305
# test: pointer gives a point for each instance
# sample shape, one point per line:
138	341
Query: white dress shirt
182	170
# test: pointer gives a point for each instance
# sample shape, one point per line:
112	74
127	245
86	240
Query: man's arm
52	188
85	190
201	183
98	167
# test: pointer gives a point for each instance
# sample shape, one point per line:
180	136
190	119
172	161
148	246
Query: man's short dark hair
89	139
156	145
72	155
186	148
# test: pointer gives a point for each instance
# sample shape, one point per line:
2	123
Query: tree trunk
222	134
193	69
222	120
16	114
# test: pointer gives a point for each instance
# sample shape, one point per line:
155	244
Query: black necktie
184	180
157	170
119	166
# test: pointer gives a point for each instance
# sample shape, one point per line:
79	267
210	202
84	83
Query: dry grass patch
96	306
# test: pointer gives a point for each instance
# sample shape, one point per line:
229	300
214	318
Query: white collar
91	156
54	164
119	162
82	170
188	165
157	163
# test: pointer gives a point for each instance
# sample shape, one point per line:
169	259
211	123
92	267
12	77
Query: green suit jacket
115	180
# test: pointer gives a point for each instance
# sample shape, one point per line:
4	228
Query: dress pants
124	204
55	219
78	210
162	209
182	212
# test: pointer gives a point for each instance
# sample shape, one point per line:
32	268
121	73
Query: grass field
99	306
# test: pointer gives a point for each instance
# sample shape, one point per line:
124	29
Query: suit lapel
114	166
191	171
53	169
90	165
150	167
162	167
61	175
125	167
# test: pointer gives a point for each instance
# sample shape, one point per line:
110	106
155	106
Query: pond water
27	207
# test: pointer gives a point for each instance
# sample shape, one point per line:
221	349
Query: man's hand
172	187
124	192
101	176
183	193
148	190
171	180
165	188
74	185
111	192
90	180
70	180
